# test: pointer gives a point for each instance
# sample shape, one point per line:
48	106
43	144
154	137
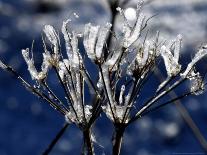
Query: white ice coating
90	37
171	64
31	67
53	38
103	32
94	39
75	61
198	56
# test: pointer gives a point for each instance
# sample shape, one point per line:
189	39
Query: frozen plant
123	71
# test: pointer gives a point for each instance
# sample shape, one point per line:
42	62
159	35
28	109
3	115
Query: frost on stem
94	40
31	67
54	40
132	33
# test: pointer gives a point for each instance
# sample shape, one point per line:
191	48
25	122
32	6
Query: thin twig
55	140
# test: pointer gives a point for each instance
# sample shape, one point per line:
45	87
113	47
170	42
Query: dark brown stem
55	140
88	142
117	141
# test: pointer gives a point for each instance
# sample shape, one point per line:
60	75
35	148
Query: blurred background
27	125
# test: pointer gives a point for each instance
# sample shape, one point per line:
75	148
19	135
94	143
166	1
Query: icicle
121	94
2	65
171	64
199	55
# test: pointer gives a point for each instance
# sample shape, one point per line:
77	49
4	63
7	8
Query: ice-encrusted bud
2	65
94	39
171	62
198	56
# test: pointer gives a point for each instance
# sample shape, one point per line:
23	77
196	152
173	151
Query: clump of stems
123	72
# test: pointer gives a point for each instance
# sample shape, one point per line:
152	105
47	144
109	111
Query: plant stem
117	141
55	140
88	141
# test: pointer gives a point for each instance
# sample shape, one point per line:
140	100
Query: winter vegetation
123	63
